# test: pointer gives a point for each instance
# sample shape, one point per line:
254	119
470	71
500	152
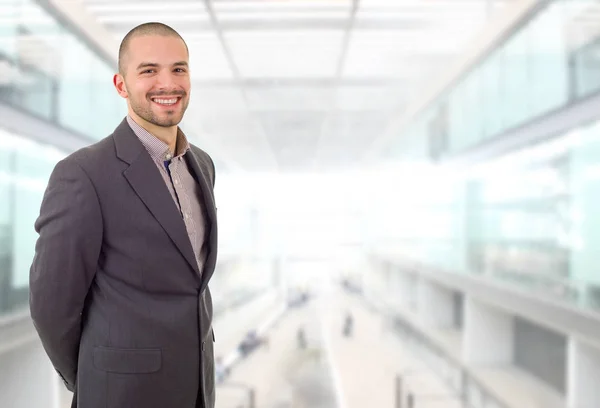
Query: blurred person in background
127	245
301	338
348	325
221	370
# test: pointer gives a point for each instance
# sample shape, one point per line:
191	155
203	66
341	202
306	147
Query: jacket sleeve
64	265
214	171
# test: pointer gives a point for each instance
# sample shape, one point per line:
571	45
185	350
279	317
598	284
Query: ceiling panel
261	6
236	136
206	98
207	58
288	110
289	98
369	98
285	54
397	53
282	15
346	135
293	137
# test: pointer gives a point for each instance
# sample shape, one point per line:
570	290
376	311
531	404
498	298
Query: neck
168	135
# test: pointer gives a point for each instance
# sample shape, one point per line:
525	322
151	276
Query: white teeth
166	101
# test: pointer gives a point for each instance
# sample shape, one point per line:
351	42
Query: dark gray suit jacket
115	291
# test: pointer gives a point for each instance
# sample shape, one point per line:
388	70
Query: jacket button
203	346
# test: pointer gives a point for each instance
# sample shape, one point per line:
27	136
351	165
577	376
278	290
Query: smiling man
127	245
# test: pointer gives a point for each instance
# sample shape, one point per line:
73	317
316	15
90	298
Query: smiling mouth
166	100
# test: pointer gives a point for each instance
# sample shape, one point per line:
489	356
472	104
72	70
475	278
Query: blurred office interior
407	192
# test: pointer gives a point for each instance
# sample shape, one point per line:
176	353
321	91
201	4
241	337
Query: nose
166	80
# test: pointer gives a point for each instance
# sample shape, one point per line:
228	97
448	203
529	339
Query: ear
119	83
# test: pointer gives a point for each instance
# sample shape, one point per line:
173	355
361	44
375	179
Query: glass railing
25	167
48	71
528	219
462	384
549	62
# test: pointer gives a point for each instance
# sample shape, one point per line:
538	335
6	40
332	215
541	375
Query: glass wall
549	62
521	233
535	217
528	219
25	167
48	71
6	209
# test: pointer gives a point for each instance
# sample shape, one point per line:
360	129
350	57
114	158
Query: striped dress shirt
178	178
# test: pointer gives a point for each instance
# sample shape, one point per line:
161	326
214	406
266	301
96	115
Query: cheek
141	93
140	89
185	84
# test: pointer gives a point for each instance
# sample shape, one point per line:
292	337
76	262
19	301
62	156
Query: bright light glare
287	5
291	15
326	215
147	7
180	17
23	182
10	142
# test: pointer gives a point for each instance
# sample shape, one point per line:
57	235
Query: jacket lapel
204	180
145	179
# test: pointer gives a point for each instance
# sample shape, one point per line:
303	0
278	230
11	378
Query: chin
167	120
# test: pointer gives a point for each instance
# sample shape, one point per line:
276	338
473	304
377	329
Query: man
127	245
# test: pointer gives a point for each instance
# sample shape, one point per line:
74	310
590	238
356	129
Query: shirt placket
184	202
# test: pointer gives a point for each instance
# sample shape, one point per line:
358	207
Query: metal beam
554	124
73	15
22	123
300	82
265	24
236	73
346	40
338	72
218	29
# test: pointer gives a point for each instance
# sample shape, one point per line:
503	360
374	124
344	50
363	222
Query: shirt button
168	157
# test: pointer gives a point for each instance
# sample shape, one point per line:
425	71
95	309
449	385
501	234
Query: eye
147	71
180	70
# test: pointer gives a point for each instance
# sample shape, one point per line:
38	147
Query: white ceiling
303	85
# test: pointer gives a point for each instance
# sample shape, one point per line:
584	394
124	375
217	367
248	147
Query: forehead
160	49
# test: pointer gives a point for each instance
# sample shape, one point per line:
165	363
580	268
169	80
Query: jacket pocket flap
127	361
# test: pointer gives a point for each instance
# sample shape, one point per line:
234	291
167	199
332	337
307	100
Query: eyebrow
147	64
155	65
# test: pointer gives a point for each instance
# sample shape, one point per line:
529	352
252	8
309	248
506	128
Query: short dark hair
151	28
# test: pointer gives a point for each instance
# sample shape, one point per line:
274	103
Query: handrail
16	330
467	377
466	374
250	390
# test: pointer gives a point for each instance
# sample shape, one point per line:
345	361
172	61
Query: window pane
8	27
515	80
549	69
24	170
74	97
6	188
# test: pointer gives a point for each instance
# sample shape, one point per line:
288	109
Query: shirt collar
158	149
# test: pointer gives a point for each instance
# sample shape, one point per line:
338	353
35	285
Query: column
27	379
488	336
403	284
583	375
434	304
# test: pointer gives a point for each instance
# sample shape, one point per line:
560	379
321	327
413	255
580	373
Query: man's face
156	81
